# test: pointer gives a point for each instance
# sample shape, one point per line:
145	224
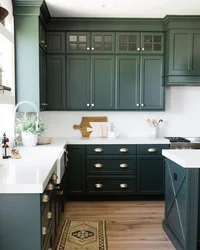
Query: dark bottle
5	147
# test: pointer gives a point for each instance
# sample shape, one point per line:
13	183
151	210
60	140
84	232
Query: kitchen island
182	191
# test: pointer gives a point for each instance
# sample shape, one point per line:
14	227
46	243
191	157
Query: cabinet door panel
127	82
152	89
56	82
196	54
78	42
78	82
150	174
43	82
102	82
128	43
152	43
102	43
56	42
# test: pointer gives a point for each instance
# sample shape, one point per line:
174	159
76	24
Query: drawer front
46	233
122	164
111	185
151	149
110	149
46	215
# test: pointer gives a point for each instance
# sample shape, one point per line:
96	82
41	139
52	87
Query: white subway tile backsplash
181	117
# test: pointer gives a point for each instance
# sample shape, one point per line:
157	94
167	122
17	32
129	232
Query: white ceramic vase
29	139
153	132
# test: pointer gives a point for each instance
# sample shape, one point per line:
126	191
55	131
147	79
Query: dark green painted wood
152	43
152	89
78	82
128	42
103	78
20	226
42	37
145	149
26	51
150	174
56	42
127	80
27	2
111	164
78	42
56	82
43	80
111	149
181	22
181	205
102	42
75	176
111	185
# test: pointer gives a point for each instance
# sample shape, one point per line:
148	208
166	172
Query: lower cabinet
115	170
29	221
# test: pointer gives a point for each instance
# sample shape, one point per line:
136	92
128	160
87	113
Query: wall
181	118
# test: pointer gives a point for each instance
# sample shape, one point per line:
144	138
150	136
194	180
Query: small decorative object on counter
153	124
3	13
5	147
15	154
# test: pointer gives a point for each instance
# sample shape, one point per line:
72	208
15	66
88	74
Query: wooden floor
130	225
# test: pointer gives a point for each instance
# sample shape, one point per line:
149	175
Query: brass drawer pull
50	186
123	185
54	177
44	230
98	165
123	150
98	150
98	185
60	193
49	215
152	150
123	165
45	198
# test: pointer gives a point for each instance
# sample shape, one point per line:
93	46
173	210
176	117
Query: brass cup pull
42	41
123	165
50	186
98	165
45	198
123	150
49	215
98	185
152	150
54	177
123	185
44	230
98	150
58	187
60	193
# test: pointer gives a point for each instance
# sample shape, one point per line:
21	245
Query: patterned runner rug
83	235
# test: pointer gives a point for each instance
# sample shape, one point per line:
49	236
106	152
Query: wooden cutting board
85	124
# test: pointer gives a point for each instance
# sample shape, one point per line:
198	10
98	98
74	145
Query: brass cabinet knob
58	187
43	104
50	249
123	150
143	49
60	193
152	150
98	185
98	165
50	186
142	104
42	41
123	185
45	45
137	104
98	150
54	177
123	165
92	104
88	104
44	230
138	49
49	215
88	48
45	198
92	48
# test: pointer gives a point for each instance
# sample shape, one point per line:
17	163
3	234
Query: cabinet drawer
111	185
46	233
110	149
151	149
46	215
122	164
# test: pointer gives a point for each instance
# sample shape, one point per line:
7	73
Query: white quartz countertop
31	173
187	158
118	140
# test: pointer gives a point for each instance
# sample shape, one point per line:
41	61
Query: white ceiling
123	8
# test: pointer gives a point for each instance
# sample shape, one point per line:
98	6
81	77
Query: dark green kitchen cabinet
93	77
56	42
90	42
75	175
139	82
43	80
150	174
42	37
139	43
182	56
56	82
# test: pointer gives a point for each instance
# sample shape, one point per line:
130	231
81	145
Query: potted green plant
26	125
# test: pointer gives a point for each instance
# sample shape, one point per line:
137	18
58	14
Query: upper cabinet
56	42
90	42
139	43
